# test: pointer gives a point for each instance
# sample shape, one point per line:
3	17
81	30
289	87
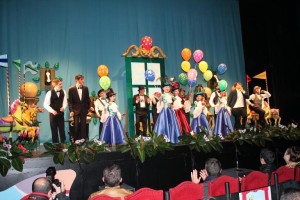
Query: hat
199	93
141	87
175	85
256	88
110	93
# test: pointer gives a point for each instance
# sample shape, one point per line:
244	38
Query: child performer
184	126
100	105
200	113
166	122
223	124
112	131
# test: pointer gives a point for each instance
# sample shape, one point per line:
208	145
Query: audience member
290	194
212	171
112	179
267	158
42	189
292	156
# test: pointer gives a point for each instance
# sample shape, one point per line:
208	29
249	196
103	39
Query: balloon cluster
104	80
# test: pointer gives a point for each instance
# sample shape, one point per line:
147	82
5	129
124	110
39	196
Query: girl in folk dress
112	131
199	114
166	122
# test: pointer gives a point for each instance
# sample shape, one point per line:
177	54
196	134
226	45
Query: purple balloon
192	83
150	75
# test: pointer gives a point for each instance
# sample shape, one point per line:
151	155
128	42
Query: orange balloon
186	54
102	70
29	89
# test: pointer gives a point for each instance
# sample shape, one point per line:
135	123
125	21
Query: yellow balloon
203	66
207	75
185	66
208	91
102	70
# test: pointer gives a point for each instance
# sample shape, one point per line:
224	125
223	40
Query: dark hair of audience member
267	155
213	167
290	194
112	175
42	185
294	153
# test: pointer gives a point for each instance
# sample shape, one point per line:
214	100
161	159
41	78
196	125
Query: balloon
203	66
192	74
147	42
185	66
102	70
183	78
150	75
207	90
207	75
222	68
29	89
104	82
198	55
186	54
192	83
222	85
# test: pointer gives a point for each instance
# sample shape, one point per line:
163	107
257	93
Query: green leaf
17	163
88	155
4	166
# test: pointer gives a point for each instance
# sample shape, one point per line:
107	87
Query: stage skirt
167	124
184	126
200	121
223	124
112	131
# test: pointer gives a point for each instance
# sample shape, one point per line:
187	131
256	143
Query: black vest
55	101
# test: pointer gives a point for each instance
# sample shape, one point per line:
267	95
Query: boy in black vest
56	102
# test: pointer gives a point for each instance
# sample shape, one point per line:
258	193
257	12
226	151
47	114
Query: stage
160	172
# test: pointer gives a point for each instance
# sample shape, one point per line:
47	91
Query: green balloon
104	82
183	79
222	85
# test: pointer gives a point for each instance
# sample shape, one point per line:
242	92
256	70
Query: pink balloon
192	74
198	55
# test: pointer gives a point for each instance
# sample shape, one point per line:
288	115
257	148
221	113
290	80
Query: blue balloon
192	83
222	69
150	75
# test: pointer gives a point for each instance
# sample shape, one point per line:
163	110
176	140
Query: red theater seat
253	180
187	190
146	194
217	187
286	173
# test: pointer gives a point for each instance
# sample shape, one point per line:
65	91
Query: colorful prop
104	82
207	75
222	85
186	54
183	78
147	42
222	69
29	89
185	66
203	66
102	70
192	74
198	55
150	75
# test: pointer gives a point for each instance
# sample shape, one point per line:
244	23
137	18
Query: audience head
267	156
290	193
42	185
112	175
213	167
292	154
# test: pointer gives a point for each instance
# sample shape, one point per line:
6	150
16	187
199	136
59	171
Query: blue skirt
167	124
112	131
200	121
223	124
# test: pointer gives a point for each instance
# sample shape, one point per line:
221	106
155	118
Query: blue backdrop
82	34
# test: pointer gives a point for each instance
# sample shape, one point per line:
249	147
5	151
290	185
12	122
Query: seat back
187	190
259	193
217	187
255	179
146	194
286	173
104	197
